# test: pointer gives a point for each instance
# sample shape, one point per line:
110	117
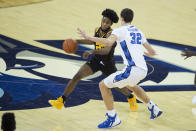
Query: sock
150	104
194	99
111	113
64	98
130	96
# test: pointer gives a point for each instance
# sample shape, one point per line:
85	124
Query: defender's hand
186	53
82	33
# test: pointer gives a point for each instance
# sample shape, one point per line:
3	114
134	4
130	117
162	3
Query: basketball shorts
106	67
129	76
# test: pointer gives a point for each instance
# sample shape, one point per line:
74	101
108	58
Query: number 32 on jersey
136	38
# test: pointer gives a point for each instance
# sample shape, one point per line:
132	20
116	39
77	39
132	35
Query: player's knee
102	84
77	77
133	88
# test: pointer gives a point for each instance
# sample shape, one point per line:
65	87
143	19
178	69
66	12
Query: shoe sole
116	125
160	112
111	126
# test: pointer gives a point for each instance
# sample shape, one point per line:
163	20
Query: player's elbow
110	43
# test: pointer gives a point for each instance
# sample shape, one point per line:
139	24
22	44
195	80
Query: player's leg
107	69
135	76
140	93
83	72
112	117
194	98
107	96
131	98
125	91
153	108
116	79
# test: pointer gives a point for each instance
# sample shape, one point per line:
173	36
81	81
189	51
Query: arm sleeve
143	38
117	33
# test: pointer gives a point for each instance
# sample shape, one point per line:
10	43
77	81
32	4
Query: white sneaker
194	100
155	112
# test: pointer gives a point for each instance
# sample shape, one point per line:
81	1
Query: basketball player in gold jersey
101	61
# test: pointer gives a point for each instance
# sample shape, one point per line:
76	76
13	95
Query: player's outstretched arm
105	41
85	42
151	52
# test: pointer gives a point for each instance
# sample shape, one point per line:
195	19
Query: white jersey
131	39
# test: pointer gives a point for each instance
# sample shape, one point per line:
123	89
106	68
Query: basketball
70	46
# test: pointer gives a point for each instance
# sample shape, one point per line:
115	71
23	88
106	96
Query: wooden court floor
34	68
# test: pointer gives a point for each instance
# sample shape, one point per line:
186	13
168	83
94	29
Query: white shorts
129	76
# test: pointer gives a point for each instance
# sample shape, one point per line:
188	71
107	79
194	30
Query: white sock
194	100
150	104
111	113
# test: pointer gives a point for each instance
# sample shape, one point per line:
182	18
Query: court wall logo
30	76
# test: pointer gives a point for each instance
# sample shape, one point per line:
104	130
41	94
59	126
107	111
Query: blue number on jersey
136	38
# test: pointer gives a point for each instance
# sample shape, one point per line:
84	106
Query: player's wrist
89	38
91	52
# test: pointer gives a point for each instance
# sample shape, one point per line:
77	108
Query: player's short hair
127	14
111	14
8	122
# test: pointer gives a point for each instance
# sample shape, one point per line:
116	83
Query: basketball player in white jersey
130	39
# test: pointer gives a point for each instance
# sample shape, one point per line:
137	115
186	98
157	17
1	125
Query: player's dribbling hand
82	33
86	54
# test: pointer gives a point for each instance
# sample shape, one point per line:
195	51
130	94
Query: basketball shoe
155	112
58	104
133	103
110	122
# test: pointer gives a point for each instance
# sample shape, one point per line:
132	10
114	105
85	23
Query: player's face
105	23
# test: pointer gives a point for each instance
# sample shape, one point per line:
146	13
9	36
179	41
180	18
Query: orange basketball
70	46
